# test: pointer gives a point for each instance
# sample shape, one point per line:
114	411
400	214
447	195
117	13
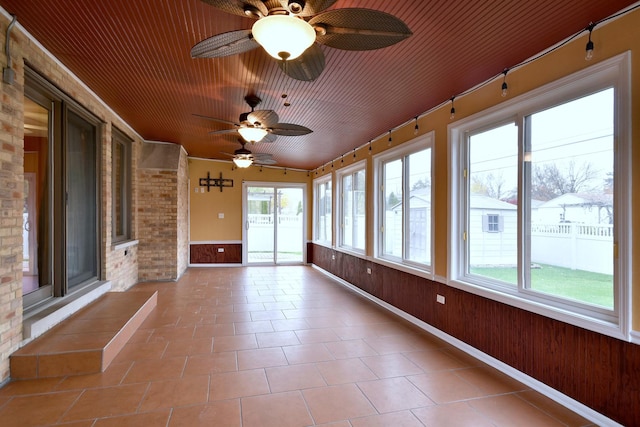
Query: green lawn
580	285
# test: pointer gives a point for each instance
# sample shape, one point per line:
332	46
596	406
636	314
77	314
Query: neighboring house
419	228
492	232
492	228
577	207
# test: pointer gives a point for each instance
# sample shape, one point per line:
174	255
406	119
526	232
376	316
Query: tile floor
279	346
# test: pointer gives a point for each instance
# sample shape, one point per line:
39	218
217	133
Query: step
88	341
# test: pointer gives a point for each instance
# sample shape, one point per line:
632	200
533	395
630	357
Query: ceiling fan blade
225	44
223	132
266	118
311	7
269	138
307	67
359	29
250	8
264	161
226	122
288	129
262	156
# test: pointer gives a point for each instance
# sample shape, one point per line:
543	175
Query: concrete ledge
39	320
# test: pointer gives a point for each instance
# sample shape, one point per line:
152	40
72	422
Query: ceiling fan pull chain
284	94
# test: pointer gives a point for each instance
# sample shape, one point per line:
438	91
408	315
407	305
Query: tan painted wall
205	206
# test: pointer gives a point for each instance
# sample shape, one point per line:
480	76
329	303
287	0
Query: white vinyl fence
577	246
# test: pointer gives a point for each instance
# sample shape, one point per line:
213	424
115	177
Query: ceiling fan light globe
252	134
242	162
284	37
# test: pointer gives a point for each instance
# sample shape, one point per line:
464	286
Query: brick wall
11	204
157	216
120	263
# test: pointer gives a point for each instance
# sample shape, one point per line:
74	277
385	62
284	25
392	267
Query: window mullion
405	208
524	208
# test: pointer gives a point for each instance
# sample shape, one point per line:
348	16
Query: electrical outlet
220	249
368	270
333	256
440	299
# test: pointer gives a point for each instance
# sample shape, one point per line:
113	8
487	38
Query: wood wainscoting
601	372
215	253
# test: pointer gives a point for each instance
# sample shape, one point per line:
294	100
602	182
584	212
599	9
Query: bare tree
548	181
490	185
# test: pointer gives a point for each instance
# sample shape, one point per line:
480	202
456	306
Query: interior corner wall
183	214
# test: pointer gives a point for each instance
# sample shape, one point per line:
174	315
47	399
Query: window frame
340	174
612	73
324	180
402	152
119	138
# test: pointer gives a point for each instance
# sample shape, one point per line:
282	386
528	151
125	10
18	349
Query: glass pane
118	189
493	183
261	205
347	211
36	266
82	246
324	211
393	212
571	194
418	237
290	225
359	209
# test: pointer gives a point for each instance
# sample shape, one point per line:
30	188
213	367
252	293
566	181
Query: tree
490	185
420	184
548	181
392	200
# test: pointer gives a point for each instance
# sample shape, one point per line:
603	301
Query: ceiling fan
243	158
259	125
288	30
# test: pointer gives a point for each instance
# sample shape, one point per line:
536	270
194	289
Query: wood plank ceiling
136	56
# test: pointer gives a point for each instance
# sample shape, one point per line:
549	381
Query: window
540	199
403	218
492	223
352	190
323	199
121	175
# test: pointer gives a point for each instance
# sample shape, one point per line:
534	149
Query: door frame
245	221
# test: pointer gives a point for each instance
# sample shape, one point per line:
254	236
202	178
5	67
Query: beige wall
205	206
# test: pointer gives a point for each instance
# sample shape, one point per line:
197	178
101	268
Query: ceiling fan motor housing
296	6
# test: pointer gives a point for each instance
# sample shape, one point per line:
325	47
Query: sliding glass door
60	216
274	219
